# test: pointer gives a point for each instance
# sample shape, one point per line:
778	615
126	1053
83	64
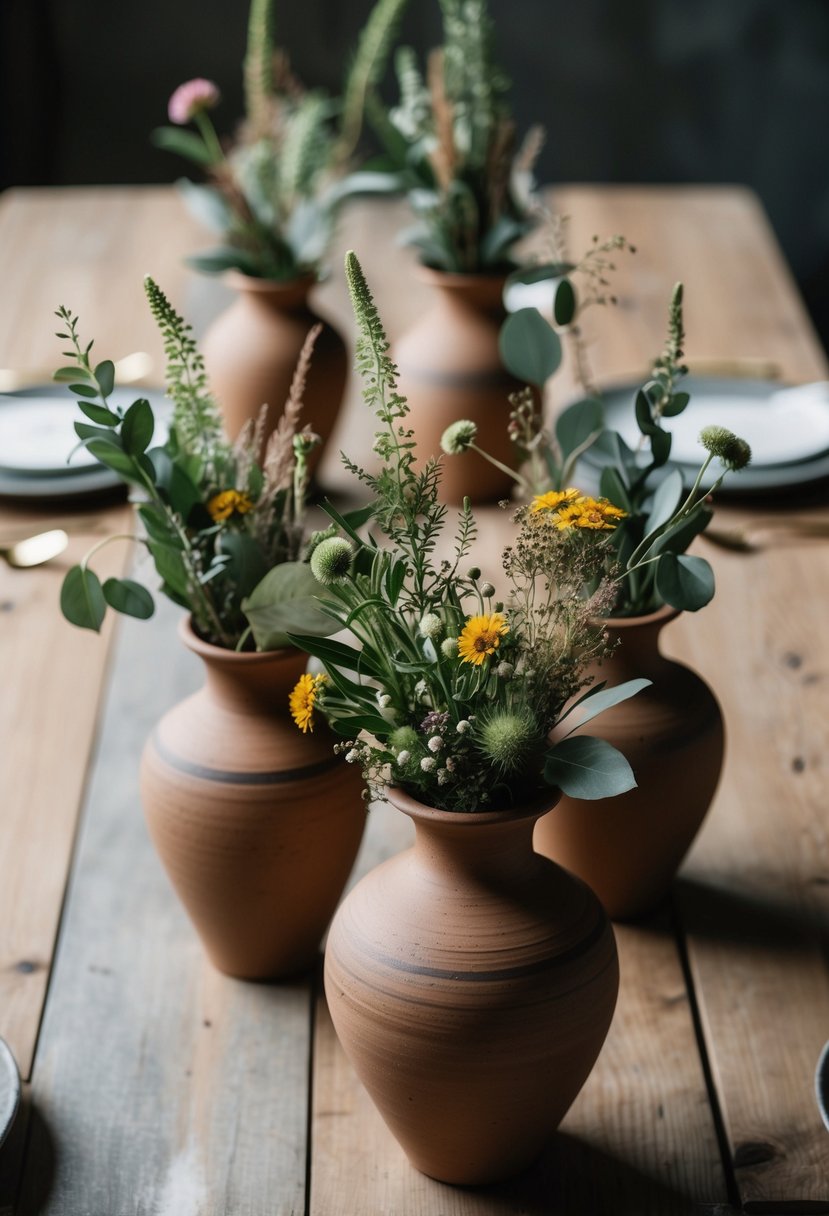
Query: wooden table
155	1085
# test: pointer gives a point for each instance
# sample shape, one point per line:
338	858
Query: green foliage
216	522
450	144
456	695
276	188
584	767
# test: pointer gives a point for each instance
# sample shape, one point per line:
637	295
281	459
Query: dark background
629	91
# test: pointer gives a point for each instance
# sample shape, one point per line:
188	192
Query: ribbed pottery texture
471	984
450	368
257	825
628	849
251	351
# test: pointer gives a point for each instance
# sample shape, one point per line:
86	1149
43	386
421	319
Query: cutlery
34	550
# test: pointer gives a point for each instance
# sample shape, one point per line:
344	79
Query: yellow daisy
221	506
554	499
303	698
481	637
595	514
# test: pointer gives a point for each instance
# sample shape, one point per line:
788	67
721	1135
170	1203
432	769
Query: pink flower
190	98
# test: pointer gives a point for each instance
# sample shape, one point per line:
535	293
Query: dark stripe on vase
224	776
483	977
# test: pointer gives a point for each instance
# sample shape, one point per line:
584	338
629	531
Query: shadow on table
38	1166
574	1176
741	917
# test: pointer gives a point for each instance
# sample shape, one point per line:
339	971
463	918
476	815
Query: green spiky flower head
734	452
458	437
331	560
508	738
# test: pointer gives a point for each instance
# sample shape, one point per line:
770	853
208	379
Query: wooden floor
155	1086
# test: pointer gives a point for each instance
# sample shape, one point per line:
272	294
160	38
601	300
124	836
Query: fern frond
306	148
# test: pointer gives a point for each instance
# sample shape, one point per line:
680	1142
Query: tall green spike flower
258	65
366	70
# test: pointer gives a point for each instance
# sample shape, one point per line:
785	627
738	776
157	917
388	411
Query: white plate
9	1090
783	426
37	433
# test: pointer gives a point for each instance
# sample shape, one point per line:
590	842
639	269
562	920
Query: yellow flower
481	637
554	499
595	514
221	506
302	700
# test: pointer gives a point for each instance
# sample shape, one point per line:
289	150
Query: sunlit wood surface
155	1085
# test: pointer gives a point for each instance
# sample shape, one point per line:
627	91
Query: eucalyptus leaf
247	566
578	425
137	427
183	143
217	261
666	500
644	414
595	703
530	348
613	488
105	377
114	457
98	413
585	767
678	537
684	582
661	446
85	430
158	525
129	597
564	303
82	598
84	390
285	602
69	375
676	404
207	205
170	565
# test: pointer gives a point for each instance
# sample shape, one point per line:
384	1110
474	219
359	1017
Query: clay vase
256	824
251	351
629	848
450	368
471	984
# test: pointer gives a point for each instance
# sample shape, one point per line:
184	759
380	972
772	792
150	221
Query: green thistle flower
458	437
734	452
508	738
331	560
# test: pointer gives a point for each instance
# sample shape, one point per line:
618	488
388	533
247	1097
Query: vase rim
301	283
422	812
209	650
460	278
661	616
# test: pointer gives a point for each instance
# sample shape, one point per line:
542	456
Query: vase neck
250	683
273	295
637	653
479	294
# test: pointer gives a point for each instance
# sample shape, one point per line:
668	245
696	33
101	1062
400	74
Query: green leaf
351	726
660	446
247	565
678	537
98	413
105	376
285	602
684	582
69	375
85	430
676	405
137	427
337	654
530	348
613	488
129	597
395	578
82	599
667	497
540	273
225	258
589	768
564	303
84	390
349	522
183	143
159	526
644	414
577	424
171	568
182	491
206	205
595	703
114	457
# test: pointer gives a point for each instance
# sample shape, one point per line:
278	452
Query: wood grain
160	1086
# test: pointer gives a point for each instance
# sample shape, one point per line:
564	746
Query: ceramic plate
788	430
37	434
9	1089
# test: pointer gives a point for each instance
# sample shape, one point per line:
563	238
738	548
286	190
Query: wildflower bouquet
646	517
450	143
226	534
452	691
275	189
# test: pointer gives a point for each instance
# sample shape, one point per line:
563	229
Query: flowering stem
209	136
516	477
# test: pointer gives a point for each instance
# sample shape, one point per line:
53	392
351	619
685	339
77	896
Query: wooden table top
153	1084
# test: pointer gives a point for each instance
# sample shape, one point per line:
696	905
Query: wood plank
160	1085
88	249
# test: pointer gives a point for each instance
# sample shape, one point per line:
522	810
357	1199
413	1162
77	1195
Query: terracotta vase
256	824
471	984
629	848
450	368
251	351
